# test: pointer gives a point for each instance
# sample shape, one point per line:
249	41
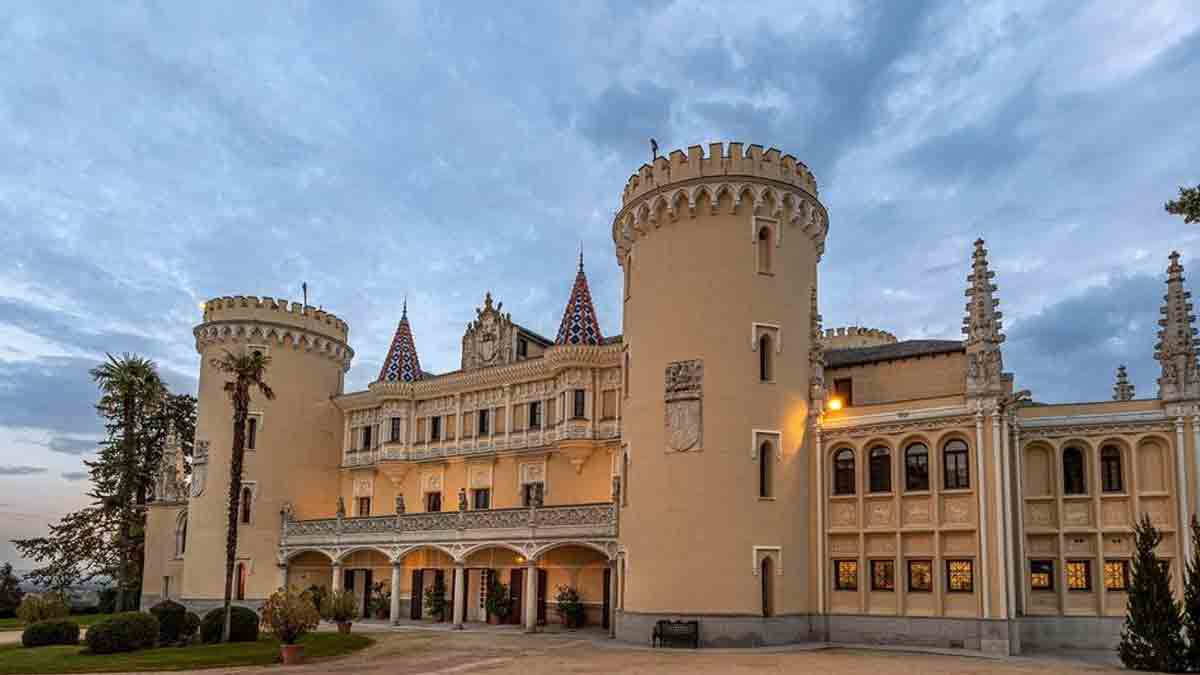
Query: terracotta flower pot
291	654
344	627
493	620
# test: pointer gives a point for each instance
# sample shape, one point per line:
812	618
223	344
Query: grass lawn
84	620
17	659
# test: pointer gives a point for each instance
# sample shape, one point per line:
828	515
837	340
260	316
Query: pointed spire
1176	348
1122	390
982	326
401	364
579	325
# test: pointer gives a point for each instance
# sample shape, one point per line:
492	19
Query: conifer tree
1152	638
1191	600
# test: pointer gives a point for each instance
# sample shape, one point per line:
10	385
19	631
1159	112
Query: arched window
916	467
1074	482
241	581
956	471
880	469
764	358
766	573
181	534
764	250
843	472
1110	469
247	496
764	469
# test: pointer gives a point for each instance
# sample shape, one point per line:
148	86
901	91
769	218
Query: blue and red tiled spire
401	364
579	325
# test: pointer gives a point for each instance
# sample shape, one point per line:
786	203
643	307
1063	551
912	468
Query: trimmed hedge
243	625
171	616
125	632
51	632
191	626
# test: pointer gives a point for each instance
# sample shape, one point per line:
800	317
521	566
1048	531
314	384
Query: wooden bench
666	631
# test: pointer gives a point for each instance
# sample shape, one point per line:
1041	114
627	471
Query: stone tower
300	429
719	254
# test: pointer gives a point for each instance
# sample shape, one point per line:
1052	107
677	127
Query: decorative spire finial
404	312
579	325
580	256
1176	348
401	363
982	326
1122	390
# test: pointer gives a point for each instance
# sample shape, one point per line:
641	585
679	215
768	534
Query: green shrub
125	632
170	617
339	606
51	632
243	625
191	625
35	608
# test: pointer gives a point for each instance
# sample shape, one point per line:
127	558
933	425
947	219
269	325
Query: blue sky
155	155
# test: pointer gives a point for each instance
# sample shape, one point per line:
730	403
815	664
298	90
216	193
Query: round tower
719	255
297	439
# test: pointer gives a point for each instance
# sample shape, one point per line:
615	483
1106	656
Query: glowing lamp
835	403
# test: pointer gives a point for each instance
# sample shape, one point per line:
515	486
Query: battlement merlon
853	337
722	160
266	309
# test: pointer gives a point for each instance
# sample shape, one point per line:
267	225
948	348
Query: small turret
1122	390
1176	348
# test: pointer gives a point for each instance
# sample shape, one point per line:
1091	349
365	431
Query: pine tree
1191	600
1152	638
1188	204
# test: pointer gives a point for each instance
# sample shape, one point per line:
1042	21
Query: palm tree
129	388
247	370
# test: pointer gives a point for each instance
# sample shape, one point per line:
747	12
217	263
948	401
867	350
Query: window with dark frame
481	498
535	414
920	576
1116	575
247	506
883	575
364	506
960	576
395	436
764	358
1110	469
522	348
1079	575
845	577
764	470
843	472
880	470
1041	575
580	408
1074	481
433	501
483	416
435	428
916	467
251	433
956	471
365	438
764	250
527	492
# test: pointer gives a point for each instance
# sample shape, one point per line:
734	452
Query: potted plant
380	604
569	606
499	603
288	614
340	607
435	600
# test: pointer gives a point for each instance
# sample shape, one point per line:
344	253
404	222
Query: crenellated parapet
728	180
252	319
854	337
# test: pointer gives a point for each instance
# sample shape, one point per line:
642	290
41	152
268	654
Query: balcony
592	522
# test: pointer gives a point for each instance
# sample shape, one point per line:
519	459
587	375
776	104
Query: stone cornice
898	427
251	330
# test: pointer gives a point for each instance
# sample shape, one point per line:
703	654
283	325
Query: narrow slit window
764	470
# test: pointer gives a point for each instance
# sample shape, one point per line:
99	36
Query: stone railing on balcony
455	530
602	430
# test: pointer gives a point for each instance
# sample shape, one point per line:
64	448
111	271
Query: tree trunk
128	469
240	409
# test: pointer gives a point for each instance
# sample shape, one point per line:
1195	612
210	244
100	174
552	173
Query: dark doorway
414	610
541	597
607	609
366	594
516	589
439	580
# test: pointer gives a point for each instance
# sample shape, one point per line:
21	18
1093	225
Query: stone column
612	598
396	567
530	597
460	595
337	577
283	570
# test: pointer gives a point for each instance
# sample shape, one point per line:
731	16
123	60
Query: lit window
1079	575
956	473
1116	575
920	576
845	575
883	575
1041	575
880	467
843	472
960	576
916	467
843	388
1110	469
1073	479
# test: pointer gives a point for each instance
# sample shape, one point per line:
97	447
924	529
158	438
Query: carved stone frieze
490	338
880	429
1044	433
684	405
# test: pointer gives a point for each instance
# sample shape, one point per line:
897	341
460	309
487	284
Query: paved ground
442	652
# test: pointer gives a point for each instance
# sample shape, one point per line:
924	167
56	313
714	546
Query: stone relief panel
489	339
431	482
1043	545
1120	544
1039	515
1157	509
917	511
918	544
481	477
879	514
956	510
364	487
1077	514
1079	545
958	543
885	545
684	400
532	472
1116	513
844	514
843	545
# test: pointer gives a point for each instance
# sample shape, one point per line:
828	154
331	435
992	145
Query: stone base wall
720	630
1070	632
985	635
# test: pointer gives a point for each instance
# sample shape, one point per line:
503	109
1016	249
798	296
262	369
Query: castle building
728	461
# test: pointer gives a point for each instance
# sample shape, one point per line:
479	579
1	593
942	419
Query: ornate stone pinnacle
982	326
1122	390
1176	348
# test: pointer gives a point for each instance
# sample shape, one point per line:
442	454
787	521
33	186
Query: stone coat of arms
684	405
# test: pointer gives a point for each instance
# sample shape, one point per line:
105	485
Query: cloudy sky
154	156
